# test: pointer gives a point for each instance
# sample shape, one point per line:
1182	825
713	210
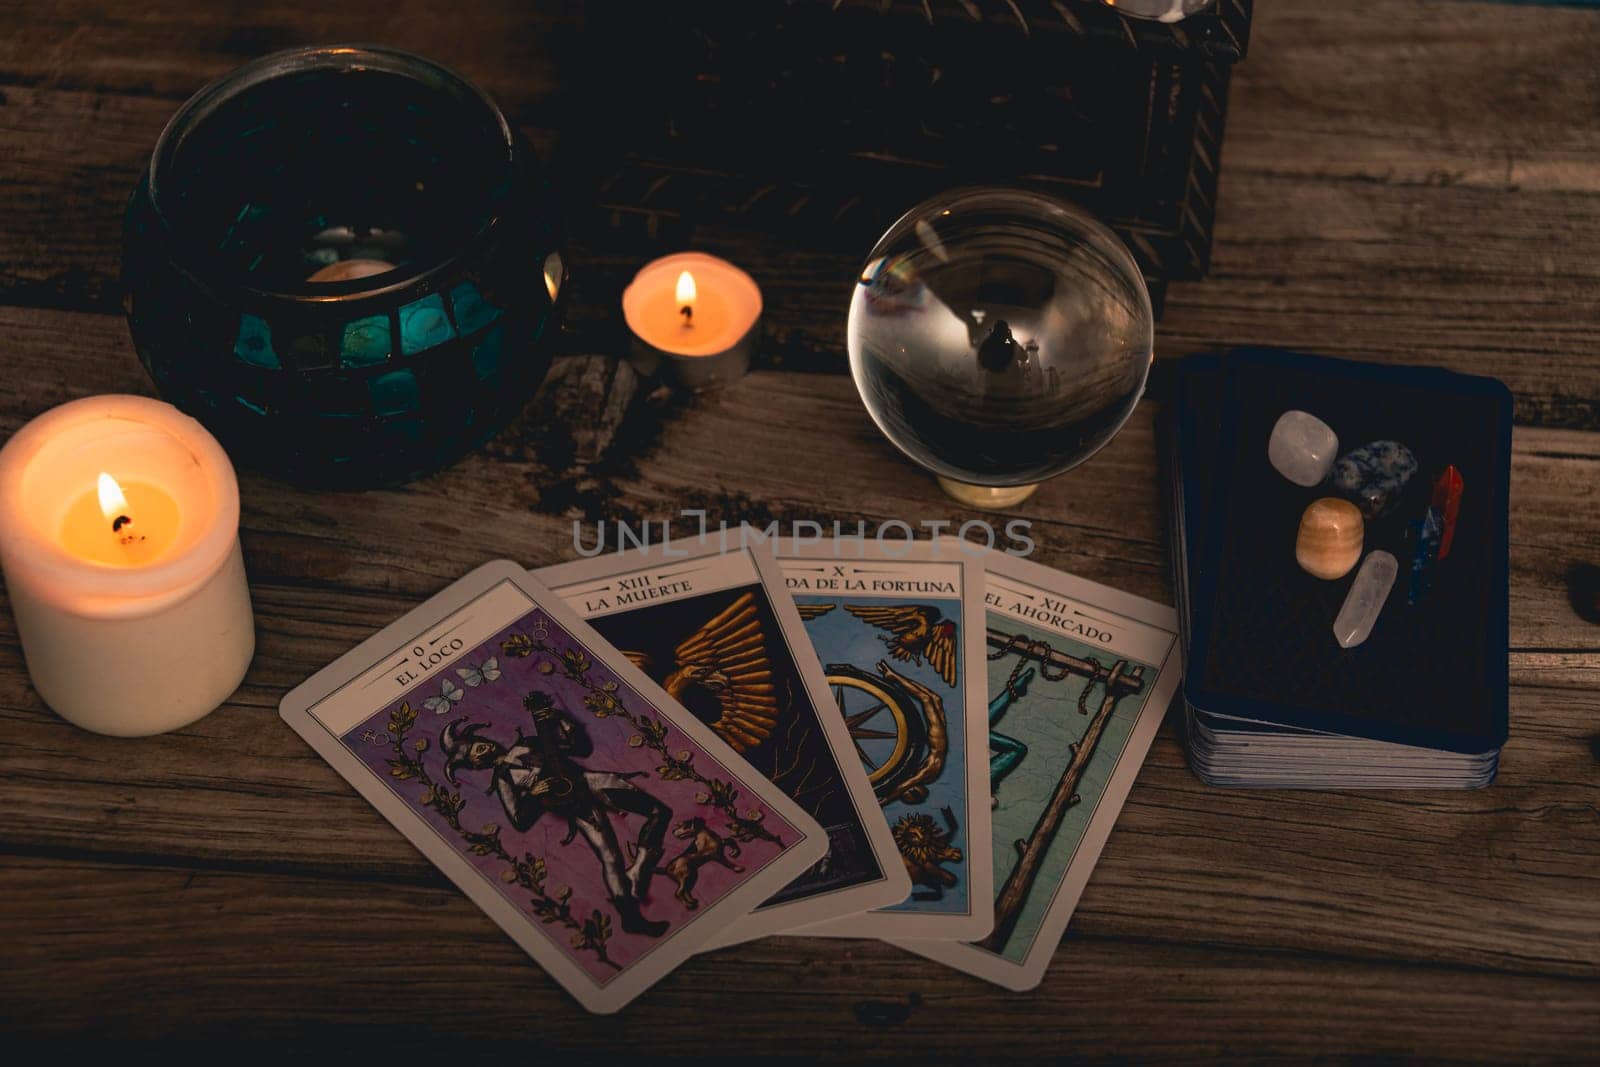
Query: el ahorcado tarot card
1079	677
610	834
899	631
718	631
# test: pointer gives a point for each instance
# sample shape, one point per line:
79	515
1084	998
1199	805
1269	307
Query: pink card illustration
611	832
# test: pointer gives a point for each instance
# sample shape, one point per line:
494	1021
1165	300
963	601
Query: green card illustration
1060	715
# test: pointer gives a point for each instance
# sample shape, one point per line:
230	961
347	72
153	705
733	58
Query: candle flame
686	291
554	272
112	503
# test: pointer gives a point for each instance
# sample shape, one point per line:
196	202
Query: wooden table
1405	180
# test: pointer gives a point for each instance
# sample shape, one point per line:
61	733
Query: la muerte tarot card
899	631
1079	677
720	633
609	833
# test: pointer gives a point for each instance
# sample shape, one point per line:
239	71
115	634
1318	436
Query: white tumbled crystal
1302	447
1364	603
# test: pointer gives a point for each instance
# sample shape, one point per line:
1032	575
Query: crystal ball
999	337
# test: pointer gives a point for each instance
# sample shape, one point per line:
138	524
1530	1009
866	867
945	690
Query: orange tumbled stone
1330	538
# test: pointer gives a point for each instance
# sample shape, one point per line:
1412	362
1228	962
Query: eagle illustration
727	658
915	632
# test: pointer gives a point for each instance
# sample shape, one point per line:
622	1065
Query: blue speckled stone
1374	476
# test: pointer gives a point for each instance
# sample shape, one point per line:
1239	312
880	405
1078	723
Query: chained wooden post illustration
1119	681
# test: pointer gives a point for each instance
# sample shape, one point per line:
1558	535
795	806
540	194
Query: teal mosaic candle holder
343	261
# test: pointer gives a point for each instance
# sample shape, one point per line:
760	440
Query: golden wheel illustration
884	723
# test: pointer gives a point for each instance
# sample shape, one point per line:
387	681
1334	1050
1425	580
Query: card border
295	709
979	919
894	885
1026	975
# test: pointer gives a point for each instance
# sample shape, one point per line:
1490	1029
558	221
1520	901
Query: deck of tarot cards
1271	696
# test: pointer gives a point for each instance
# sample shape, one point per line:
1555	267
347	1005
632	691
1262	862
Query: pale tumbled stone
1364	603
1302	447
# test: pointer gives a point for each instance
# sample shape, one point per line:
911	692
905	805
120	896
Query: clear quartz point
1364	603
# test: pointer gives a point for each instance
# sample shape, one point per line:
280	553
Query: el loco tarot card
899	632
610	834
1079	678
720	633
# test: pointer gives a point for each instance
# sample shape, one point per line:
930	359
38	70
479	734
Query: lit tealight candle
119	535
694	317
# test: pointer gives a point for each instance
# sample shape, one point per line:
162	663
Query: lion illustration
924	845
705	846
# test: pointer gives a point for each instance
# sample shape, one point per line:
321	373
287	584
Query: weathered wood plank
1420	92
1443	276
169	50
1346	267
1358	213
1404	181
752	452
394	965
743	453
330	568
1374	200
1494	879
1412	91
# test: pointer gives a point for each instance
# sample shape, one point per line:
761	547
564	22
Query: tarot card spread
609	834
710	630
901	642
1079	677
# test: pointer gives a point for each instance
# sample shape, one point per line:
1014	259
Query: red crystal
1447	502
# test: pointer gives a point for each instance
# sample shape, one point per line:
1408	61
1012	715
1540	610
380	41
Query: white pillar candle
129	590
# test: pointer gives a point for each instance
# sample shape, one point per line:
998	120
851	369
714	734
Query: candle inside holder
348	270
119	535
694	319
